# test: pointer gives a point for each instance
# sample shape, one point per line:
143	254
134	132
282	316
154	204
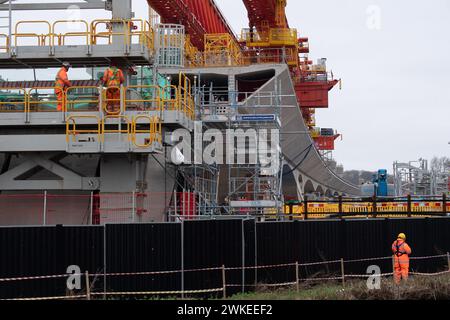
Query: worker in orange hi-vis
62	83
113	78
401	252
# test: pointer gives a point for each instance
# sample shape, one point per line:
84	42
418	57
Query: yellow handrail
7	42
170	103
118	130
154	99
105	101
24	103
62	36
41	37
109	34
74	132
69	102
154	131
43	102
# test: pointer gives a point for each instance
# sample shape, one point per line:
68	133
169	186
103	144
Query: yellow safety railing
73	131
60	38
17	102
110	102
192	55
5	43
90	33
254	38
221	50
41	37
108	32
283	37
120	123
82	102
387	209
148	36
39	101
150	98
184	94
154	131
170	99
270	37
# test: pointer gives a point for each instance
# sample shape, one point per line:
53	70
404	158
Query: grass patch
416	288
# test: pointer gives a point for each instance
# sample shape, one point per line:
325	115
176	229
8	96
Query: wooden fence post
88	286
448	260
224	282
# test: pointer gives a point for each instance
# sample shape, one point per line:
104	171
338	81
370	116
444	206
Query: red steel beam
261	10
198	16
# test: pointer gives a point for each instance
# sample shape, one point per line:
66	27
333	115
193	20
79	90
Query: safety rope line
318	263
428	257
320	279
262	267
211	269
429	274
368	275
152	272
156	292
263	284
45	298
368	259
40	277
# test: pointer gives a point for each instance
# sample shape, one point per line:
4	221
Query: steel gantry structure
188	71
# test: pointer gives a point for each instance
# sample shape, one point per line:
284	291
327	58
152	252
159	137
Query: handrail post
343	272
297	277
340	211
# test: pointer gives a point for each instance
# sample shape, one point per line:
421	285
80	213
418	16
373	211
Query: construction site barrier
353	208
88	293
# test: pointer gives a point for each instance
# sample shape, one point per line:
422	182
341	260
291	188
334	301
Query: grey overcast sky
394	61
